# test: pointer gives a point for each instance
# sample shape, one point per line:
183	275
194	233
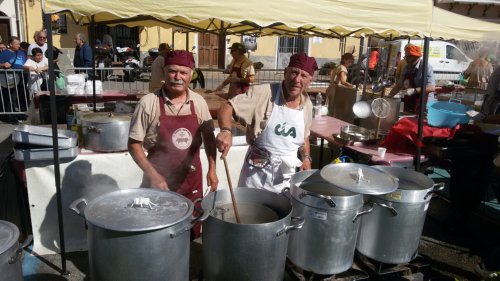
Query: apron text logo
281	128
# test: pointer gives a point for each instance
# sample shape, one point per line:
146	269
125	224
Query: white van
447	60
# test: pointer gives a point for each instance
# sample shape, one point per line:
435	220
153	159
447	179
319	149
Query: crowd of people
18	87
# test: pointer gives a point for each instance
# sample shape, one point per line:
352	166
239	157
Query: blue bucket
447	114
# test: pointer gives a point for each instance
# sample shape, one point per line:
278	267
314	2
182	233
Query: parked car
447	60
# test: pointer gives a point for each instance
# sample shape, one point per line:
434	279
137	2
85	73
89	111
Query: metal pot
391	233
326	242
11	252
105	131
138	234
247	251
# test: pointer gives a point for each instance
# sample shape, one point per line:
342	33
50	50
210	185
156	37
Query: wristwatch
307	156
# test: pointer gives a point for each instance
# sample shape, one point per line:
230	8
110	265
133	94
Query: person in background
157	74
171	125
278	118
339	74
401	64
489	266
241	70
338	78
411	78
479	71
3	47
373	61
40	37
37	66
24	47
13	92
83	52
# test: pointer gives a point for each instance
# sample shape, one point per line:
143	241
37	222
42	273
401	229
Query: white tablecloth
90	175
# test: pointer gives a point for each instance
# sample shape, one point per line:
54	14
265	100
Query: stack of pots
138	234
326	242
391	234
256	248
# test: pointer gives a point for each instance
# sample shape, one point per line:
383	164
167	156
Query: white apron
282	137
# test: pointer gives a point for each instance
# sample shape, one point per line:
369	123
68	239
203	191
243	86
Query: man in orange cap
171	125
278	117
411	78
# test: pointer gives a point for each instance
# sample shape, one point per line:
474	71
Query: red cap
414	50
179	57
304	62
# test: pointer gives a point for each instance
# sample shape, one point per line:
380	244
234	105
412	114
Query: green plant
258	65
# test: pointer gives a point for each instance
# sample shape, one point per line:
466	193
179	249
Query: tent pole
221	53
55	142
360	60
92	47
187	41
422	103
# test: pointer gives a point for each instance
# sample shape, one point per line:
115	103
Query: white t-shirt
35	80
35	45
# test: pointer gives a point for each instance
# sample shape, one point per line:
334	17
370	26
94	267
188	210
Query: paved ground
451	255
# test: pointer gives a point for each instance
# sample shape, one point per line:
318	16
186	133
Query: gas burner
297	274
379	269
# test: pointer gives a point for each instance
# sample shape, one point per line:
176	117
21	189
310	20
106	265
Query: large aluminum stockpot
11	252
391	233
256	248
105	131
326	242
138	234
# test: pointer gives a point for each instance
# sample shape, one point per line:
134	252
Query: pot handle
94	129
194	220
77	207
367	211
437	187
286	192
389	207
328	199
19	252
296	223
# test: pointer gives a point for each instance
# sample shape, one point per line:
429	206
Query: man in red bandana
171	124
278	117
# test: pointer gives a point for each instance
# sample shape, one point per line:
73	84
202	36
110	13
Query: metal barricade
14	96
115	78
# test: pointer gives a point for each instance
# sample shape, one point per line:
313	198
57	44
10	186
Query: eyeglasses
42	37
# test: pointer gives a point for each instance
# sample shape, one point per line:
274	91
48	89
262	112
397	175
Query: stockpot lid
9	236
309	188
105	117
413	186
359	178
121	210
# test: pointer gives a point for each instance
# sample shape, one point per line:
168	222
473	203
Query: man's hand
212	180
157	181
306	164
7	65
224	141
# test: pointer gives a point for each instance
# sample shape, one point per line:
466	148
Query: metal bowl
354	133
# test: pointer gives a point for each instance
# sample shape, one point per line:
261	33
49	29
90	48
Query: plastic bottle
318	106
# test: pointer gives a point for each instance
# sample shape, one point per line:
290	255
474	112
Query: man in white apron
278	117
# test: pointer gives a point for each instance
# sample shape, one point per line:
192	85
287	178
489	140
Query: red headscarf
179	57
303	62
414	50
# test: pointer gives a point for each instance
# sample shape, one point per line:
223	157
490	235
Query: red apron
240	86
176	155
411	103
